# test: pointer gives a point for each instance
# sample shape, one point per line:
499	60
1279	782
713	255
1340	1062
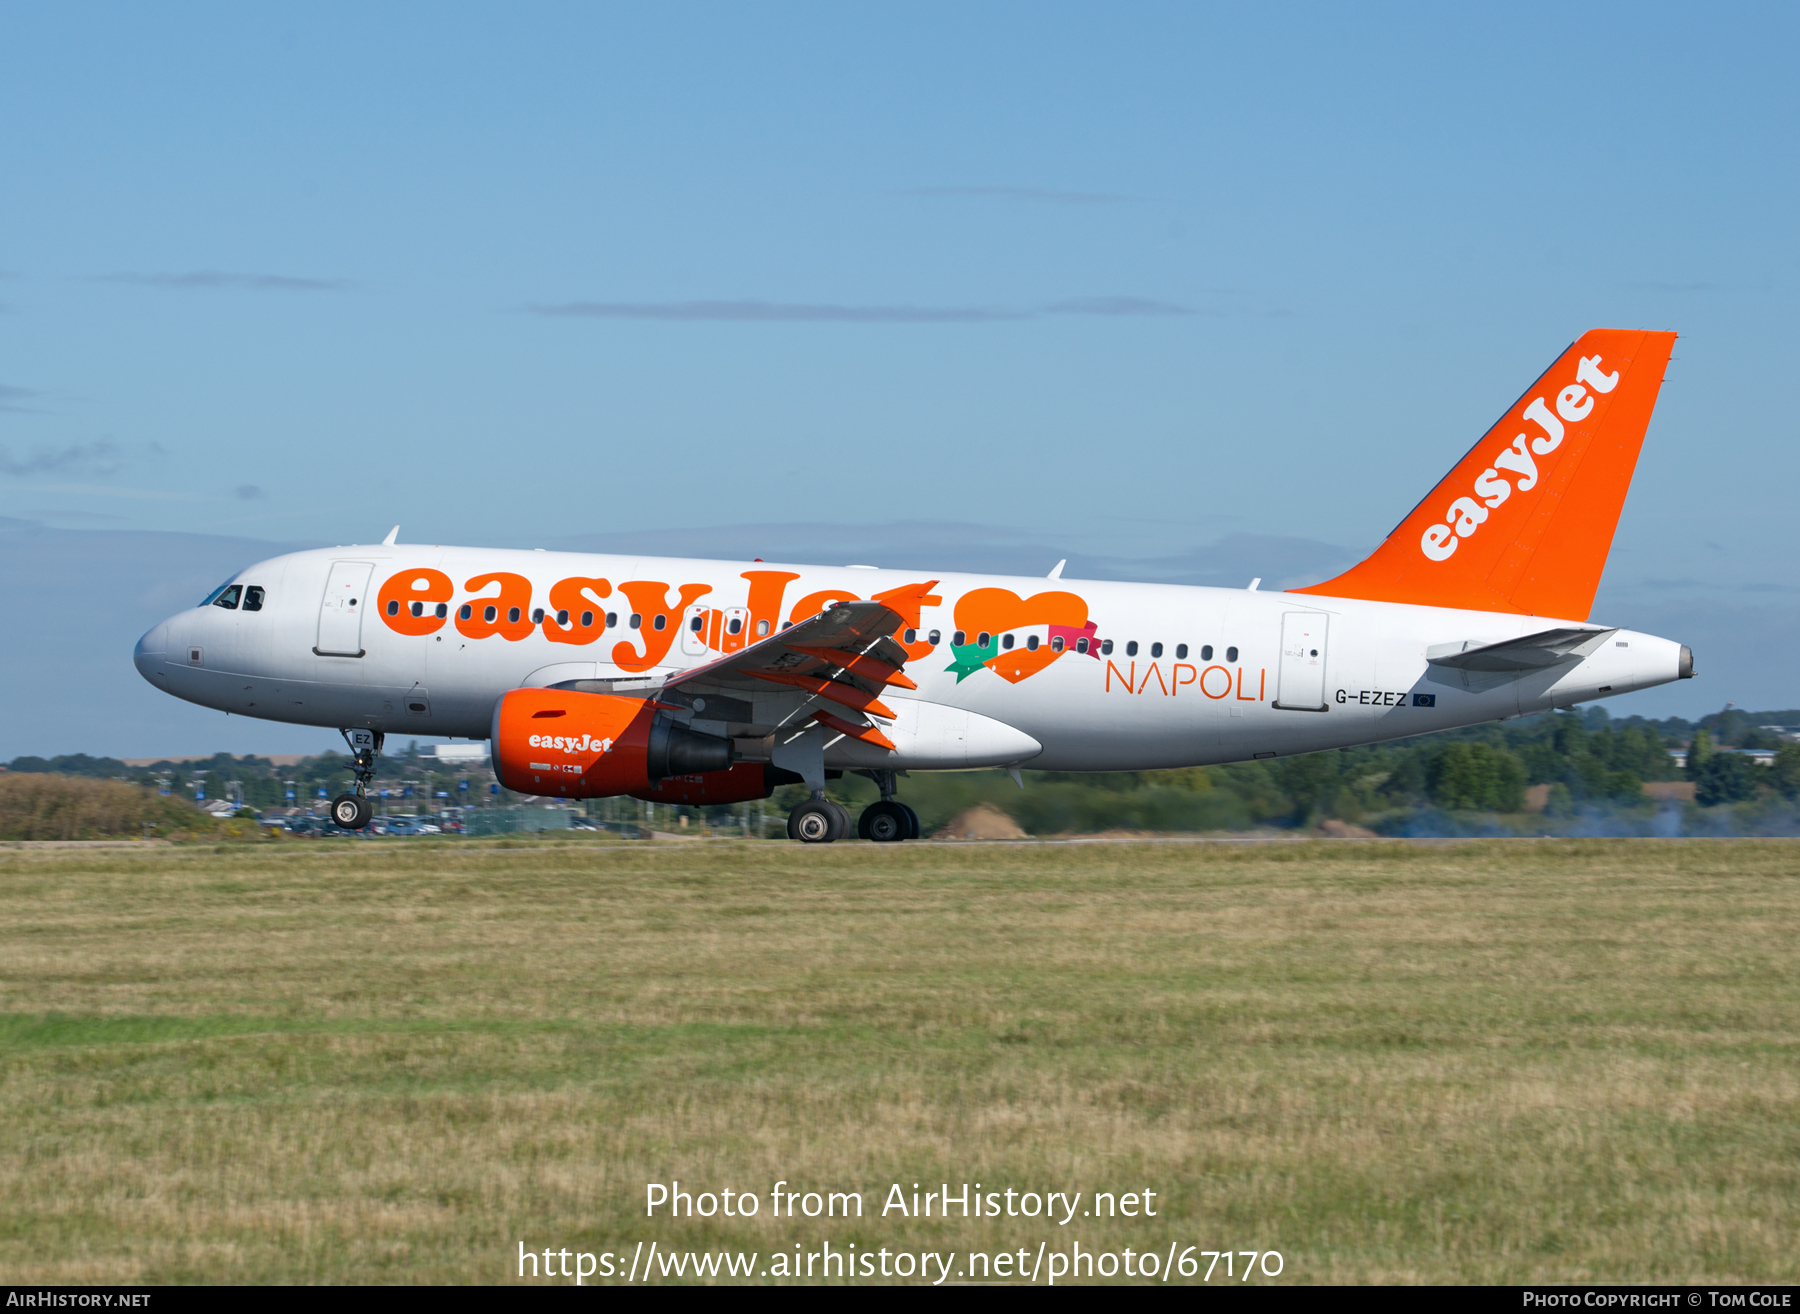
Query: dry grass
1529	1061
37	806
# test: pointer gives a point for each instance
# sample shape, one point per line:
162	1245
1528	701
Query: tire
817	821
912	822
351	811
845	826
885	822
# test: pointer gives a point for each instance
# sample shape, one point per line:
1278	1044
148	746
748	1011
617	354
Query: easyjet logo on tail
1464	516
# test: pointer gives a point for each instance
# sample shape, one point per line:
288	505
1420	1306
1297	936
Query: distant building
472	754
1760	756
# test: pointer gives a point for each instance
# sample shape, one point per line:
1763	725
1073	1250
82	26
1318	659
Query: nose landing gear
352	809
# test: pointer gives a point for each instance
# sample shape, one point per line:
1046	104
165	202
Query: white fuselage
1363	663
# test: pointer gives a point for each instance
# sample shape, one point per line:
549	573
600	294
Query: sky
1217	291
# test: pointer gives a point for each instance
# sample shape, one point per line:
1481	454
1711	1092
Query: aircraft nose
148	655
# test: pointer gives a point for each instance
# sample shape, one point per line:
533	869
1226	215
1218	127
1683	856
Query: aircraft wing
832	667
1528	652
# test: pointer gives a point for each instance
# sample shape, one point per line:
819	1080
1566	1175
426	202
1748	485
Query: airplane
710	682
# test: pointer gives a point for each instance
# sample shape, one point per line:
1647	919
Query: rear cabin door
1302	678
340	613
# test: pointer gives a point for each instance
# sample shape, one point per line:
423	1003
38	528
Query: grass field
1525	1061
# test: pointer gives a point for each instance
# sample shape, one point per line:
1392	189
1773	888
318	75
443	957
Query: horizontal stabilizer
1528	652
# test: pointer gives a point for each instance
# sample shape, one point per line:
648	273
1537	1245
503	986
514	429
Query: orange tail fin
1525	520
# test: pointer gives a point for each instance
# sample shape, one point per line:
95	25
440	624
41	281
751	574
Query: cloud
771	312
102	457
1030	195
14	399
1115	306
113	490
79	516
213	278
778	312
248	493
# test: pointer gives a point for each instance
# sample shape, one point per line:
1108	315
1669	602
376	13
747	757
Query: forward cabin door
340	613
1302	677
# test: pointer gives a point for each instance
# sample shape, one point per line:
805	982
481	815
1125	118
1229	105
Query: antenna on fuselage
393	534
1056	573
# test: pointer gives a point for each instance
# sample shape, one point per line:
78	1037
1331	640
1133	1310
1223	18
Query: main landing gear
887	821
352	809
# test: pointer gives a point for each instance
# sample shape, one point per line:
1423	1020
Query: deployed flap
1524	522
845	655
1528	652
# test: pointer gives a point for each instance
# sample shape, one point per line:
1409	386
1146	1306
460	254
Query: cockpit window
215	595
253	598
228	597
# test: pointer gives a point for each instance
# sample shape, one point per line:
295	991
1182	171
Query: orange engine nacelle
564	744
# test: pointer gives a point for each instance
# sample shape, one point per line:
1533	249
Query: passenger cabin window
562	619
1031	643
587	620
228	597
1106	647
660	623
1156	650
734	626
441	611
1007	641
637	620
983	639
1181	652
512	615
1081	645
490	614
933	638
537	615
612	620
912	636
253	598
1231	654
1131	648
762	629
1206	652
1056	644
958	639
464	612
697	624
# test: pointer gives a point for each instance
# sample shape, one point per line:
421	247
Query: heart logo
994	612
